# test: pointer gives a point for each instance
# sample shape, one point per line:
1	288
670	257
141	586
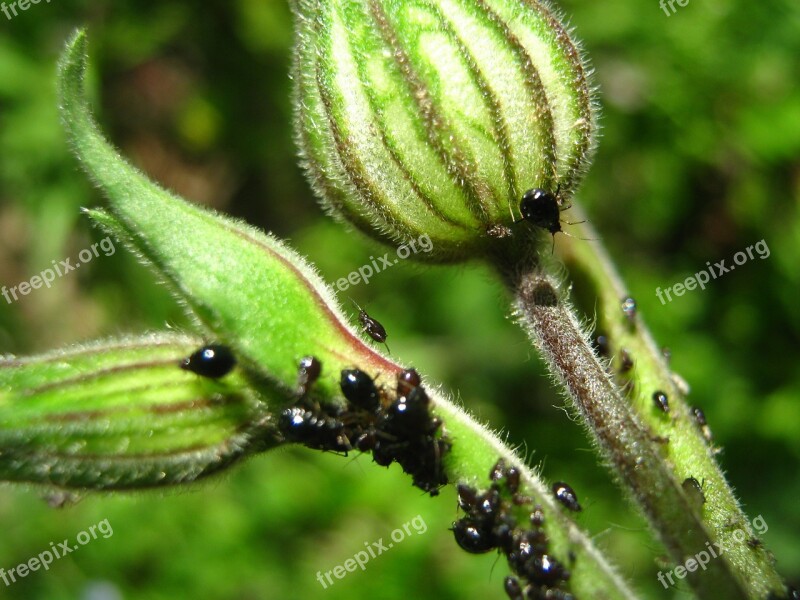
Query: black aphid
541	208
537	517
566	495
543	569
307	374
407	380
500	471
213	361
359	389
314	429
512	588
661	401
700	419
408	415
472	538
628	305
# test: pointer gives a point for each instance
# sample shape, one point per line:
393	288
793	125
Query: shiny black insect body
510	474
307	374
314	429
409	416
489	523
471	537
699	416
542	209
512	588
700	419
359	389
628	305
661	401
467	498
372	327
566	495
488	507
212	361
537	517
543	569
407	380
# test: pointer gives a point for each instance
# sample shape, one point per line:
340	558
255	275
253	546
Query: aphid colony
396	428
489	523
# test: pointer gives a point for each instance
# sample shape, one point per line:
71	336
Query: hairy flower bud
433	117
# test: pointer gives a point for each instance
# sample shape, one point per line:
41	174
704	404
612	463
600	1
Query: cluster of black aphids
395	429
489	523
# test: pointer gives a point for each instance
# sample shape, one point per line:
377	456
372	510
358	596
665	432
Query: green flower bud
433	117
121	415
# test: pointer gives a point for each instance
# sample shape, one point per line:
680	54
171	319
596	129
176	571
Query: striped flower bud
434	116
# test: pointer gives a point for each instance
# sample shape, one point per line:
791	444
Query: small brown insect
372	327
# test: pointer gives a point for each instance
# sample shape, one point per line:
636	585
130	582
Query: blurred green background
699	158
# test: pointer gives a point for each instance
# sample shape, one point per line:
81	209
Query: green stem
687	452
476	449
651	452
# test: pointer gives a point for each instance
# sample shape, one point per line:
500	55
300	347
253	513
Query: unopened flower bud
435	117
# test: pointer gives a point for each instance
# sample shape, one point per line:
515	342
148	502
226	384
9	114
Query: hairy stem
688	451
623	439
476	449
650	455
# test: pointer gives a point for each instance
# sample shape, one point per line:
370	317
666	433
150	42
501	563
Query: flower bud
122	415
434	117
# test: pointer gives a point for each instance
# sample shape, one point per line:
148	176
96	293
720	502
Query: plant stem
650	454
476	449
688	452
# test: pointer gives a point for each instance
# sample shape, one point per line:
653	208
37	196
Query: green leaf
122	414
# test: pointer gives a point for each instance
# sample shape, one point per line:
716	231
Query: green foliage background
699	158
